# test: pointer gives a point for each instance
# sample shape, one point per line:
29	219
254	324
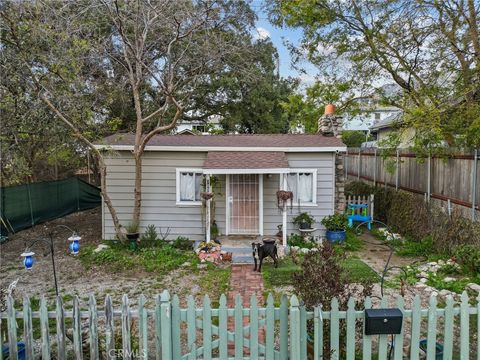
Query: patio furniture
360	209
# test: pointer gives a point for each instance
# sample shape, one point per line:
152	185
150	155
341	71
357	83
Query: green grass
157	259
357	271
215	282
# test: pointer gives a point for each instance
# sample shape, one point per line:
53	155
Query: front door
244	204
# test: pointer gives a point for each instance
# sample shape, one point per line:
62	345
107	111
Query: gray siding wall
324	163
159	193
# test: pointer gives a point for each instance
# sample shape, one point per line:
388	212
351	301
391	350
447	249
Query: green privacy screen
26	205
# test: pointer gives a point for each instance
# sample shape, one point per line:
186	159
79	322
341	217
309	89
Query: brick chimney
331	124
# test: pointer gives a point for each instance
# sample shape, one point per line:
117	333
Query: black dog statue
261	251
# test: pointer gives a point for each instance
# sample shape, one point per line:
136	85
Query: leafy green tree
354	138
77	57
430	49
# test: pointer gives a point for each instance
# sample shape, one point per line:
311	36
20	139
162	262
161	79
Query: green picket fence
164	329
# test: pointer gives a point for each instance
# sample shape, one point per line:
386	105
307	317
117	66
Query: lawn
275	279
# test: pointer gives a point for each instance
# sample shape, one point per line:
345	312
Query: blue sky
278	37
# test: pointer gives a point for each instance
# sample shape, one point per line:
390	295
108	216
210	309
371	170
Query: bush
468	256
335	222
422	248
298	240
182	243
322	278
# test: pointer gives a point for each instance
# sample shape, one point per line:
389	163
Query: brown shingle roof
240	140
246	160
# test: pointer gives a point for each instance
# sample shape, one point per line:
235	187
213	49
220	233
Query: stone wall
331	125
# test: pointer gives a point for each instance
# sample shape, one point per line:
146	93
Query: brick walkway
246	282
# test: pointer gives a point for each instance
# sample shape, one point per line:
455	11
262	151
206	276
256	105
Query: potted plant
304	220
132	236
336	226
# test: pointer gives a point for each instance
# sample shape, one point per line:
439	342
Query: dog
261	251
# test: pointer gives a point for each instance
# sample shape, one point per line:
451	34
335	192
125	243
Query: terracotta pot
330	109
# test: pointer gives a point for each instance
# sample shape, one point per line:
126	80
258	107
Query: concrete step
241	259
236	250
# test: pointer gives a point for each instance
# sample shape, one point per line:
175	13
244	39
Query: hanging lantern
74	244
28	259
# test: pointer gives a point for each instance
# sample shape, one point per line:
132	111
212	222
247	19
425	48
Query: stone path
246	282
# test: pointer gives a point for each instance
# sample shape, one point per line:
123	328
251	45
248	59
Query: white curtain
305	187
292	185
198	186
187	187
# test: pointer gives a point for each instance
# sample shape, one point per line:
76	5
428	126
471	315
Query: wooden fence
167	330
453	180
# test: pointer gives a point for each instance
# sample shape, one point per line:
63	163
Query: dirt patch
75	279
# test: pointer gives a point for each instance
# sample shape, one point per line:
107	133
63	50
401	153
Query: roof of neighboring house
245	160
388	122
186	132
223	142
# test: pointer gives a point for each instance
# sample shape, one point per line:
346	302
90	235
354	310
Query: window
189	186
200	128
377	116
303	185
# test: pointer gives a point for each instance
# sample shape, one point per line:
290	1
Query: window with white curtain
189	184
302	185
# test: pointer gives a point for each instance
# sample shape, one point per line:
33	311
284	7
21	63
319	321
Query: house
244	172
382	130
198	126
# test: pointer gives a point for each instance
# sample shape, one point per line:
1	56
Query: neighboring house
381	130
369	116
198	126
246	171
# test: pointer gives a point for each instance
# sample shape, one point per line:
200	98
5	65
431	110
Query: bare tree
73	54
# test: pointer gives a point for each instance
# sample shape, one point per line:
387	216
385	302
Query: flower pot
132	241
304	225
336	236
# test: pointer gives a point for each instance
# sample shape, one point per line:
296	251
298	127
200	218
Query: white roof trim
246	171
226	148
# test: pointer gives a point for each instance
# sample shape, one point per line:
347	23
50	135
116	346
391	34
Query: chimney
330	124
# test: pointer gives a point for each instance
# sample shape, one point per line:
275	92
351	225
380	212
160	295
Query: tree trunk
137	205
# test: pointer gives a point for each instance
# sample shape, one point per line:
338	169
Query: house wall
324	163
159	193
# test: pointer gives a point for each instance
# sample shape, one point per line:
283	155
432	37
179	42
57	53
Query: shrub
468	256
422	248
305	218
322	278
182	243
150	234
298	240
335	222
409	215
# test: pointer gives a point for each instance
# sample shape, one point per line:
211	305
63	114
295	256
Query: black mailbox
383	321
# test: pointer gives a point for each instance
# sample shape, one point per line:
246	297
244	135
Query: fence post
359	161
429	177
474	182
166	325
397	169
345	160
294	329
109	329
375	167
12	329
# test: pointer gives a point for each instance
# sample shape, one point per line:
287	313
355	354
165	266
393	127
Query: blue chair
361	211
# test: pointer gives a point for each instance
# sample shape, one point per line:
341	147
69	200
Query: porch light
28	259
74	244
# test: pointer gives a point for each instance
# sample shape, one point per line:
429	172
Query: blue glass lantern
74	244
28	259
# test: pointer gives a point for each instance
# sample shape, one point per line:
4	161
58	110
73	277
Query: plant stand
307	234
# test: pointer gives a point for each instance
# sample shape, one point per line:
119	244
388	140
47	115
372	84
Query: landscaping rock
101	247
445	292
423	274
185	264
474	287
448	279
423	280
304	250
201	266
